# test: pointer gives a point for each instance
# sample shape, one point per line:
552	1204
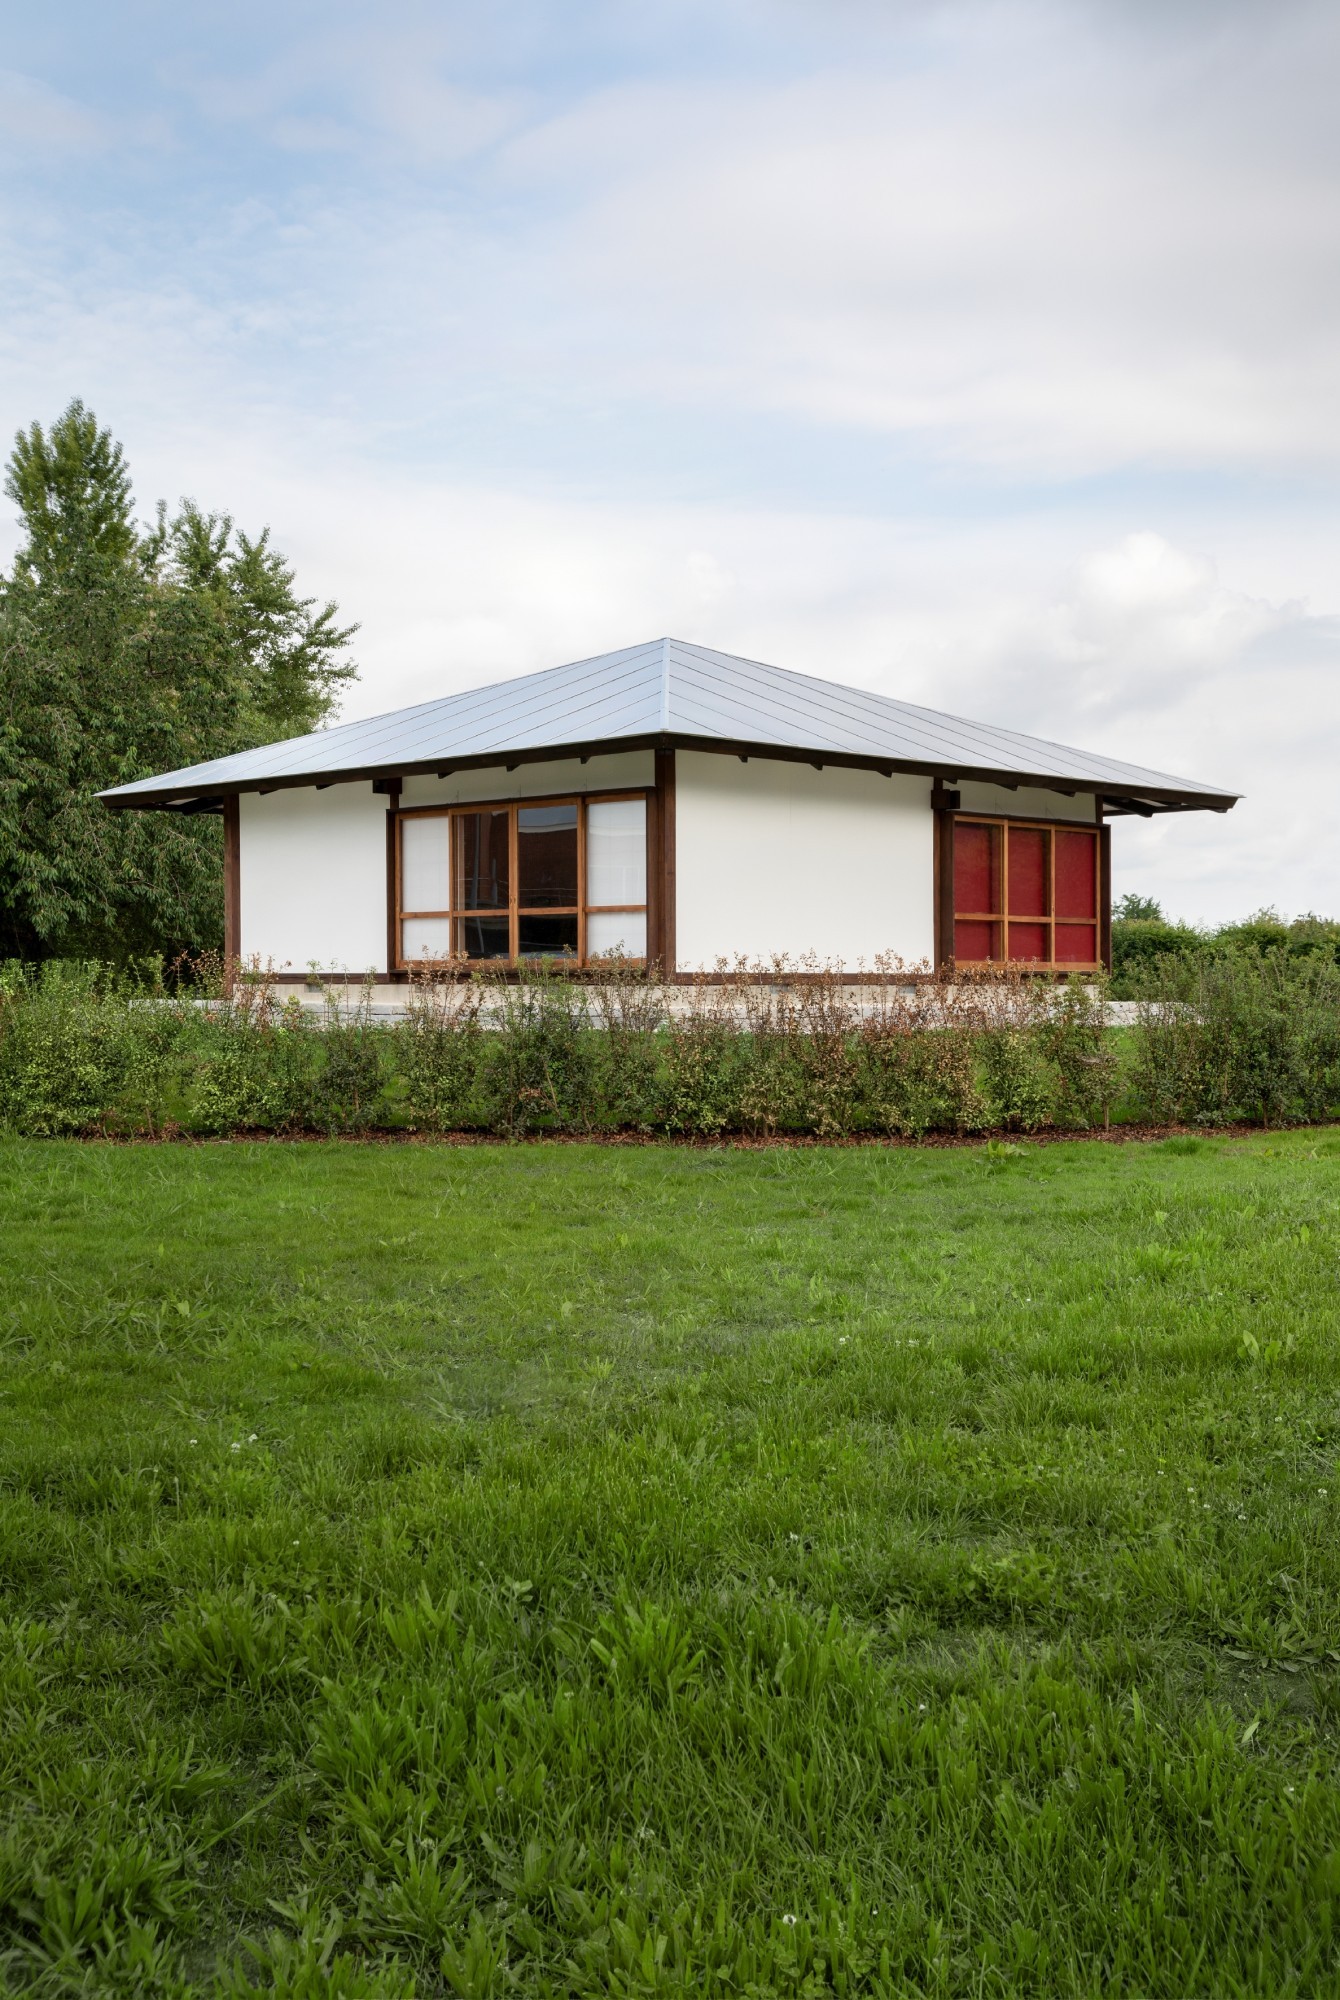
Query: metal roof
667	693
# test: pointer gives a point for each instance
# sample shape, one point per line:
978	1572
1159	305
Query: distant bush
1144	941
1240	1033
1140	945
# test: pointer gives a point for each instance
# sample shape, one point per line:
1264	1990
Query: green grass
578	1571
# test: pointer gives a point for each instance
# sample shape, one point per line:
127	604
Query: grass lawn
578	1571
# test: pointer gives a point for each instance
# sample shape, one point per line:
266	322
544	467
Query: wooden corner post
391	787
232	887
661	885
944	804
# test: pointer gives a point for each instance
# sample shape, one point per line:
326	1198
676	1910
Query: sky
981	354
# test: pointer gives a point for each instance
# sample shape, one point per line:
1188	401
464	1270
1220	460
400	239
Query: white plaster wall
1029	802
313	878
772	857
529	781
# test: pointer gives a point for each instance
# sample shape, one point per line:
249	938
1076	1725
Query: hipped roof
663	694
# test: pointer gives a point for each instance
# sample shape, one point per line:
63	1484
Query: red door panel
1028	941
1076	944
1077	875
976	868
975	943
1027	850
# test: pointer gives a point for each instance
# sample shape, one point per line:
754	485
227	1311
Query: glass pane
425	937
546	857
616	852
425	879
1027	849
1077	875
484	937
481	861
1028	941
1076	944
620	931
976	870
974	943
544	937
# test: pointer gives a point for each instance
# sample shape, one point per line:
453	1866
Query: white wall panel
772	856
314	878
530	781
1028	801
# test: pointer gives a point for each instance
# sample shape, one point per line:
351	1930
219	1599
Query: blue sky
981	353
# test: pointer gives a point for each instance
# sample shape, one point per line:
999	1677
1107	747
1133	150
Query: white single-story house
674	804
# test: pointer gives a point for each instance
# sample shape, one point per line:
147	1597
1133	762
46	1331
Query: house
674	804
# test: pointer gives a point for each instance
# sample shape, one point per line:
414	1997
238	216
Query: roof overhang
209	798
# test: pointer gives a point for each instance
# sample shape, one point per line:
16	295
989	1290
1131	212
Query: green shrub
919	1079
437	1054
537	1067
346	1091
1020	1084
84	1046
1074	1036
256	1062
628	1012
1241	1034
704	1076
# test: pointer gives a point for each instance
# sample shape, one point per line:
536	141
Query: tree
123	652
1133	909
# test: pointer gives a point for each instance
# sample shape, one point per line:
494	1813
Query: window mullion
513	887
581	881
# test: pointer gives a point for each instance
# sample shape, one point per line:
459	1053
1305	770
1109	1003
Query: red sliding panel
1027	873
1077	896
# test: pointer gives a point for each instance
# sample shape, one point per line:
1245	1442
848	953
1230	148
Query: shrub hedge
1239	1035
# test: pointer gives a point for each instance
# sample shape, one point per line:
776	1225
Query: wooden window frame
948	915
515	909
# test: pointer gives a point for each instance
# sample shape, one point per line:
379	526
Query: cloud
1030	249
34	117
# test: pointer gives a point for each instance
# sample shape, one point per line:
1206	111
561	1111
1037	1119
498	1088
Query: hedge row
85	1050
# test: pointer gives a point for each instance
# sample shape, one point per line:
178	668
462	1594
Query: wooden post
232	891
392	789
665	859
1105	894
944	804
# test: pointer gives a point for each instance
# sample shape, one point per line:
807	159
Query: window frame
457	809
1000	919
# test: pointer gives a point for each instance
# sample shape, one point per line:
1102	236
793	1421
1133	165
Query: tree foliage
125	651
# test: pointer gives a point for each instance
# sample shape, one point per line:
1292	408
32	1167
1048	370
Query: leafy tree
1132	909
123	652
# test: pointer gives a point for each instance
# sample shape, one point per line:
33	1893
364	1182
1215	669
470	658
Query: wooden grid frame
515	910
950	916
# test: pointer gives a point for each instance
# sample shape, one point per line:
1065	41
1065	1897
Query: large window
557	877
1026	893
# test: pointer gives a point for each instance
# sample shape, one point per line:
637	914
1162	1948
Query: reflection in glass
545	937
483	937
546	857
481	860
616	852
